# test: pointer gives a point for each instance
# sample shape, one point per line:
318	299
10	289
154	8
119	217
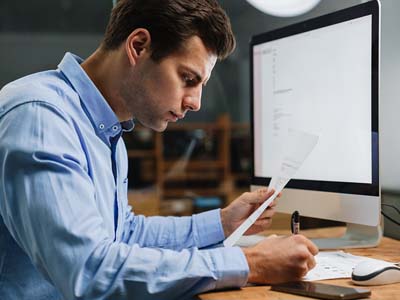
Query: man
66	229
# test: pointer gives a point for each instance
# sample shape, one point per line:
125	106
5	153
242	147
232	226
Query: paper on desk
333	265
298	146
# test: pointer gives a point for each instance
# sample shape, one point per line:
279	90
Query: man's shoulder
50	87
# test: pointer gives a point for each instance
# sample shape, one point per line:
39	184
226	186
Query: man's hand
240	209
280	259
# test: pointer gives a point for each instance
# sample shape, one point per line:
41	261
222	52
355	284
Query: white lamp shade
284	8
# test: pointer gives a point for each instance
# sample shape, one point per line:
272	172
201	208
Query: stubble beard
140	104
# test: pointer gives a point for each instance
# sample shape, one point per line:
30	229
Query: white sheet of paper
334	264
298	146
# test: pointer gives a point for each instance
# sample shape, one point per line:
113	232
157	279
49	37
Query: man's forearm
176	233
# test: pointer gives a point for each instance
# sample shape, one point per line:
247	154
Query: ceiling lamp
284	8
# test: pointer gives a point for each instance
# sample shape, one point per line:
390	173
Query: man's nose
192	101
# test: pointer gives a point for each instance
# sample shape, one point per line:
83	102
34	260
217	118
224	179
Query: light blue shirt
66	230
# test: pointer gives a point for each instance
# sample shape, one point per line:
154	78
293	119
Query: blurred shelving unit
190	163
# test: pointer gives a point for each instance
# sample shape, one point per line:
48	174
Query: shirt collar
127	125
103	118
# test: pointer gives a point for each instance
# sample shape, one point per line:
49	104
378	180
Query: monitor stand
356	236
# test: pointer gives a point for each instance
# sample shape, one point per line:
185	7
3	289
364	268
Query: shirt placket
114	142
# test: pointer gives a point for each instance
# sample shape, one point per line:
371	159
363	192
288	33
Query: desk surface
389	249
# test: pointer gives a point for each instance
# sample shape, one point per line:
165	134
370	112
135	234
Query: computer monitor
322	76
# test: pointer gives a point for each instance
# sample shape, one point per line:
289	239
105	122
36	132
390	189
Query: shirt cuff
230	267
208	228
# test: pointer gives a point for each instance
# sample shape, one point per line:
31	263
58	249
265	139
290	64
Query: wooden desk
389	249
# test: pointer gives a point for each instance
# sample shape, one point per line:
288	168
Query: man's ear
137	44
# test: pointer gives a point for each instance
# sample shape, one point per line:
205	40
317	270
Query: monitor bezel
354	12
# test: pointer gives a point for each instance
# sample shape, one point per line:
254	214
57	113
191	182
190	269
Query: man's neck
104	68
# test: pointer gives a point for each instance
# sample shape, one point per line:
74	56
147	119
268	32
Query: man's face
160	92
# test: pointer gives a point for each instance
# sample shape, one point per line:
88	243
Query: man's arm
48	205
177	233
200	230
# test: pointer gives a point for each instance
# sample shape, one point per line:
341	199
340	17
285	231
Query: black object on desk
321	290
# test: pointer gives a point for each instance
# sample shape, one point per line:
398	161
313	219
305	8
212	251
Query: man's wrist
225	223
250	257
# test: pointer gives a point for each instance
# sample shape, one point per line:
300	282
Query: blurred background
204	161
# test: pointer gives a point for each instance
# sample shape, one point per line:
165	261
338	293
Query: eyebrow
199	78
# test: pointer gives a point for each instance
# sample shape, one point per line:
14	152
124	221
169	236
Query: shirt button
101	126
115	128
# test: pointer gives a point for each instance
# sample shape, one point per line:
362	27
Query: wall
390	96
390	108
25	53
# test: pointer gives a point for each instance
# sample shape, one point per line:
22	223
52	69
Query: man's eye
189	80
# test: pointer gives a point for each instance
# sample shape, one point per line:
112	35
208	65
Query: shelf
240	126
241	176
192	176
188	126
141	153
196	165
155	159
193	192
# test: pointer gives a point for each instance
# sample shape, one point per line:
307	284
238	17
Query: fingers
268	213
264	191
301	239
311	263
312	247
263	194
258	196
263	223
308	264
304	251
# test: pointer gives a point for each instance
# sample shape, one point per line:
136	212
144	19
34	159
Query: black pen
295	222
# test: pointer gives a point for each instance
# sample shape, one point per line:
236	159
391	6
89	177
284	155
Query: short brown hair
171	23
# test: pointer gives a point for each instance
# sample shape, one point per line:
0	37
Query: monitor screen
319	76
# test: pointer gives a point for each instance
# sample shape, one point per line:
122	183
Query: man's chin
161	127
